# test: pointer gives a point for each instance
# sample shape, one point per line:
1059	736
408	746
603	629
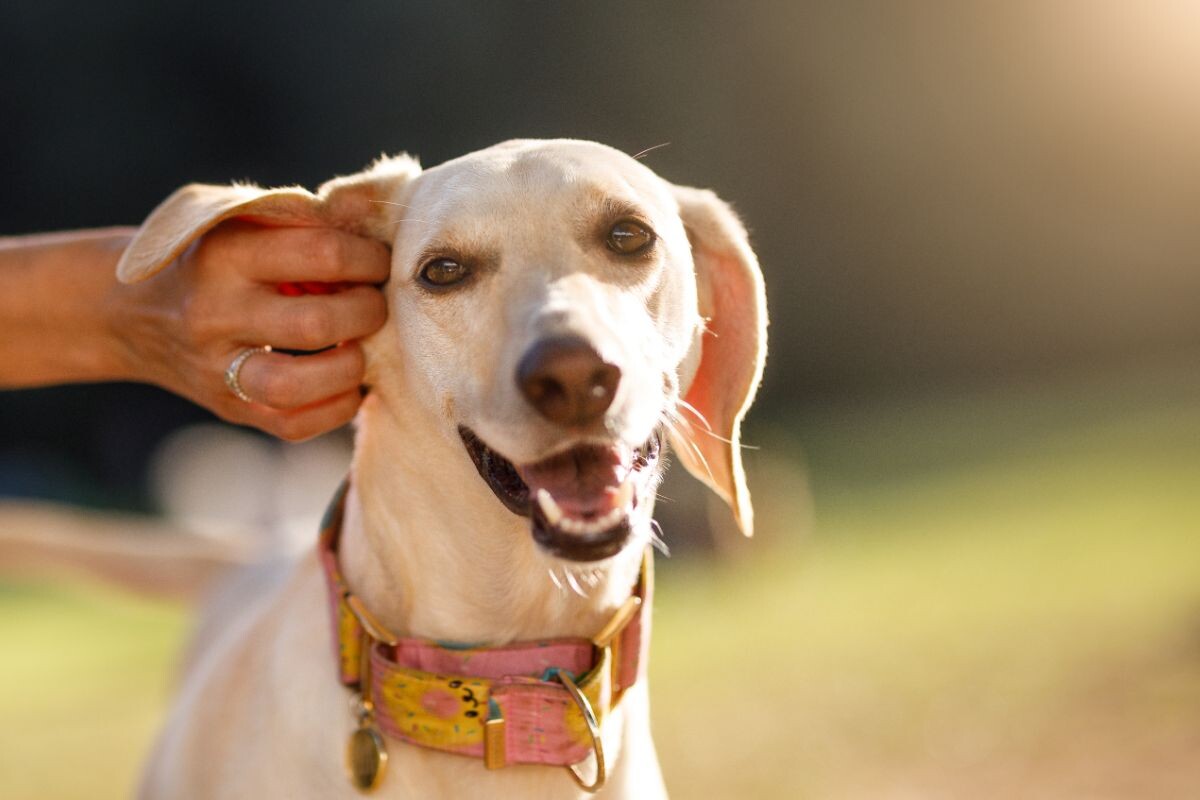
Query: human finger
283	381
311	322
299	424
324	255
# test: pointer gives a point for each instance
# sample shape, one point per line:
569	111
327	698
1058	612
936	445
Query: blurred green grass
84	680
1000	597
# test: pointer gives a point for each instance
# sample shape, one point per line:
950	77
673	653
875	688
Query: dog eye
629	238
443	272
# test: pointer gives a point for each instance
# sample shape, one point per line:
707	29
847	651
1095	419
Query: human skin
65	318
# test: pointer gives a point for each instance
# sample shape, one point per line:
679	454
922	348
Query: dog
558	314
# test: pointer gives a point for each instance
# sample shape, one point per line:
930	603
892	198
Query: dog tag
366	758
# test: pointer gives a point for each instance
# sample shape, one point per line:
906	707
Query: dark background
941	194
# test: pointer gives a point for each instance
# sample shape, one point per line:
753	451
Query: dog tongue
583	480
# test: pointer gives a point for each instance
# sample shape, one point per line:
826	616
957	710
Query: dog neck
432	553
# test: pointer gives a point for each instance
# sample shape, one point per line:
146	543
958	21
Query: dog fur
426	544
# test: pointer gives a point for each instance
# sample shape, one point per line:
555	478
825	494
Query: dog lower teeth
556	517
550	509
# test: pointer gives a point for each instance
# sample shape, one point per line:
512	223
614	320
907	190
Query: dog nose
567	381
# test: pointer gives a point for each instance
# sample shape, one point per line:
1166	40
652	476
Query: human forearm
64	318
57	315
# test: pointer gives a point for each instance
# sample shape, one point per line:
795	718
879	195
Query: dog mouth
580	501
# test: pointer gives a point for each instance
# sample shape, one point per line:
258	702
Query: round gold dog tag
366	758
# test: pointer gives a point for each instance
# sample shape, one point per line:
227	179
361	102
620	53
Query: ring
235	369
589	718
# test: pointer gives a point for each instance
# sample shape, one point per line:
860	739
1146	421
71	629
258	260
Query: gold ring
589	717
234	370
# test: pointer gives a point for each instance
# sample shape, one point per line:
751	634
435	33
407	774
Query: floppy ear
353	203
733	347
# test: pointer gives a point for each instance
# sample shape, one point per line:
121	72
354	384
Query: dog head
556	310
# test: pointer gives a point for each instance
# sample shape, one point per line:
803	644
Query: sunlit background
978	466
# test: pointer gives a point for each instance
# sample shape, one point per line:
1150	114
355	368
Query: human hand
244	285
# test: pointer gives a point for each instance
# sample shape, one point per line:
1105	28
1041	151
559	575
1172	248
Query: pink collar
537	702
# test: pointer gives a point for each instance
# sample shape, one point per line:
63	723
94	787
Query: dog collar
537	702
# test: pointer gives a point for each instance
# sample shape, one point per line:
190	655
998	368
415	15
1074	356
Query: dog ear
355	203
733	347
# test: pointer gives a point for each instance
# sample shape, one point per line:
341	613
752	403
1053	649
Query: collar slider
374	628
617	622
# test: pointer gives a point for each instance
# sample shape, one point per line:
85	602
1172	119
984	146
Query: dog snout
567	381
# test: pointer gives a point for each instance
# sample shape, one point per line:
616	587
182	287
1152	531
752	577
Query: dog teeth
582	527
550	509
609	519
572	525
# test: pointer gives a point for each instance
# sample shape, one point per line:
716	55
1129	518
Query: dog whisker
574	584
681	428
720	438
389	203
708	430
685	404
399	205
696	451
554	579
656	539
650	150
674	415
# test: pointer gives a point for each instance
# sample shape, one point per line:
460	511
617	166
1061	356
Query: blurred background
978	465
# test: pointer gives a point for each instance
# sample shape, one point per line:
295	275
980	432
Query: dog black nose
567	381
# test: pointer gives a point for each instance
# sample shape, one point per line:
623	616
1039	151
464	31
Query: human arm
65	318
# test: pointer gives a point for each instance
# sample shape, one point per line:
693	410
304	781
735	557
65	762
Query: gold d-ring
589	717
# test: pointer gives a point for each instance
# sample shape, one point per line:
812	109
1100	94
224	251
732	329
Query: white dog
556	310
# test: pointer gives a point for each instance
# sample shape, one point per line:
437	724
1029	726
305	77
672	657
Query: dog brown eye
443	272
629	238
